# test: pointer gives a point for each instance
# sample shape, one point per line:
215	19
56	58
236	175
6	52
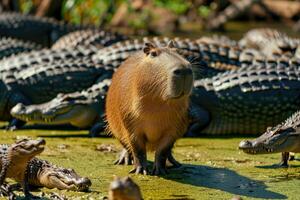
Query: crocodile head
63	179
27	149
72	109
124	188
278	139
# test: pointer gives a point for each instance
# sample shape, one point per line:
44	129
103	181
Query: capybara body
147	104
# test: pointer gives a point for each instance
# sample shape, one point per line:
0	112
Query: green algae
213	168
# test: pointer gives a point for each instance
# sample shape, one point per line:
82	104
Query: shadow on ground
222	179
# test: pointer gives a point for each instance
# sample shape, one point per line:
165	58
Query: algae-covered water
213	168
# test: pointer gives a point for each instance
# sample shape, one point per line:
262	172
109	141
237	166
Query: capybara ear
148	46
171	44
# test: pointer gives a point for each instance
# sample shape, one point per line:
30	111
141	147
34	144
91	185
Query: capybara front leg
161	155
139	157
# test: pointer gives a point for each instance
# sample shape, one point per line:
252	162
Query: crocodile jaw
270	143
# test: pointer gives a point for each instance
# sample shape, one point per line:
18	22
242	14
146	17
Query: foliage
84	11
177	6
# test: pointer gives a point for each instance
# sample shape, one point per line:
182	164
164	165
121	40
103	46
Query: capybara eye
153	54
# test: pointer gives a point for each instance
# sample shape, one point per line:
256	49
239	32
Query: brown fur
138	108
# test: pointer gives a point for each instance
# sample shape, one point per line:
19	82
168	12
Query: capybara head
169	75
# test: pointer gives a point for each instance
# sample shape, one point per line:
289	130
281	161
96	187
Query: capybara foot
158	170
125	158
174	162
139	170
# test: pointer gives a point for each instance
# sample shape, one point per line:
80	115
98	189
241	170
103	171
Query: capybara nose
245	144
182	72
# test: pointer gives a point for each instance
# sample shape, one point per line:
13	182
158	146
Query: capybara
147	104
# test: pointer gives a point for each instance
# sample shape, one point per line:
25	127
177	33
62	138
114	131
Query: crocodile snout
245	144
18	109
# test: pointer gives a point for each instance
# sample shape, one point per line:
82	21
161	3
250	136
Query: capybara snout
181	81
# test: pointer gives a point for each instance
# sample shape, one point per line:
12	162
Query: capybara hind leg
172	160
125	158
140	158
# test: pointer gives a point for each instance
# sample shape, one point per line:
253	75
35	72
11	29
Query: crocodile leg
6	190
96	129
25	186
15	124
199	118
284	159
4	168
14	99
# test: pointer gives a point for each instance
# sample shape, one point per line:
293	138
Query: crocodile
60	111
81	109
37	77
40	76
42	30
41	173
15	158
97	37
284	138
124	189
11	46
245	101
270	42
216	57
56	109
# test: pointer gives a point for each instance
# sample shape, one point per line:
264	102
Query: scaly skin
124	189
81	109
39	77
15	158
42	30
42	173
14	69
59	111
10	46
217	58
245	101
284	138
95	37
270	42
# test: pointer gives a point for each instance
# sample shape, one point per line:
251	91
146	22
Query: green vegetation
213	168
